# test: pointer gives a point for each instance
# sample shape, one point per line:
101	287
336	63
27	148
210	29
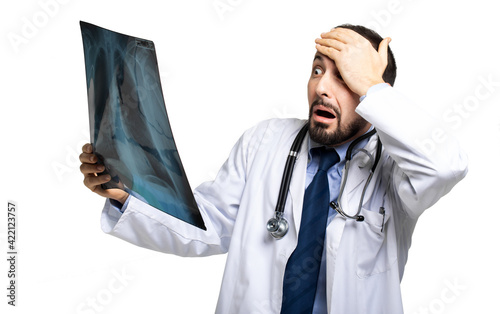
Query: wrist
122	199
375	88
363	90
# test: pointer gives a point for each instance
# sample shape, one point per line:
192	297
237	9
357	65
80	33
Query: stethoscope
278	225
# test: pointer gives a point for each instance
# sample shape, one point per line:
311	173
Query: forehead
320	58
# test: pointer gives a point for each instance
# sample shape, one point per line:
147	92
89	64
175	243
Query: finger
328	51
337	45
91	168
336	35
94	182
345	31
342	34
87	148
88	158
383	48
116	194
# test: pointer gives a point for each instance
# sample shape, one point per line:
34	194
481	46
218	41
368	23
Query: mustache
327	105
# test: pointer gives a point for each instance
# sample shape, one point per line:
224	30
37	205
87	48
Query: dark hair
374	38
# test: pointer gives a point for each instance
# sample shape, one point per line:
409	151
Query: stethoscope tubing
278	225
287	173
337	206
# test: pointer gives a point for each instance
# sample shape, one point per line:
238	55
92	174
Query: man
350	265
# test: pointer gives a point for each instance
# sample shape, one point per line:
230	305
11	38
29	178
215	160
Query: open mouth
323	114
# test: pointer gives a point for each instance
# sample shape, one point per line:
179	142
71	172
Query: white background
222	72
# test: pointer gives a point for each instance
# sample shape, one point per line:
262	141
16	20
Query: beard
319	131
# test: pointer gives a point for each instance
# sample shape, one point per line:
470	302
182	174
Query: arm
218	202
420	176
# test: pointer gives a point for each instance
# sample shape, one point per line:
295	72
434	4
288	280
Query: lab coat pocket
373	254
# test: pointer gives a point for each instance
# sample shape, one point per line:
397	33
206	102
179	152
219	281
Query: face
332	117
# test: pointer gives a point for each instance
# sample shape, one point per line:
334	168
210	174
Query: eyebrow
318	57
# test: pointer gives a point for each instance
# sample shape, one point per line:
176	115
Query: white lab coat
364	263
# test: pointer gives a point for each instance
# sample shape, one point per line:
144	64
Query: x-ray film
129	127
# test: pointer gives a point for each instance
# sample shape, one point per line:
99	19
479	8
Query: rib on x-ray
129	127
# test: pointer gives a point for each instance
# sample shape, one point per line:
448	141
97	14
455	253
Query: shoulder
269	135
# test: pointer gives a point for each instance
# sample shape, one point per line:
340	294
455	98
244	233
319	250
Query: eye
317	71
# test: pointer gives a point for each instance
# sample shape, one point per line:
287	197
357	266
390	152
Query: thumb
383	48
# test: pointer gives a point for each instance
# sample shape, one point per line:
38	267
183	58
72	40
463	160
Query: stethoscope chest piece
277	227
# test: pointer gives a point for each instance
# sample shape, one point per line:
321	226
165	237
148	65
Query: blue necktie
302	268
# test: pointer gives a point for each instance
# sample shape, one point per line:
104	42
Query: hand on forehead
338	38
360	65
343	34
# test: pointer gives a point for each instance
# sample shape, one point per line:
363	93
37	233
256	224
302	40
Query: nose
326	86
